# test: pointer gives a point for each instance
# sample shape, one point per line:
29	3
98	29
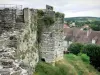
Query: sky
71	8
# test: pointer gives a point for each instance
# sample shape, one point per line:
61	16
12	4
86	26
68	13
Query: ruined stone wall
51	46
18	41
52	43
18	52
59	38
27	44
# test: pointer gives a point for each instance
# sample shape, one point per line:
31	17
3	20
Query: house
80	36
72	24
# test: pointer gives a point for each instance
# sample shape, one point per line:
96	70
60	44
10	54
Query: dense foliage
84	57
42	21
45	20
58	14
93	22
48	21
95	25
82	19
92	50
70	65
40	13
75	48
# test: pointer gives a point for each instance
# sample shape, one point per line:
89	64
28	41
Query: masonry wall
18	41
51	49
18	51
59	38
27	44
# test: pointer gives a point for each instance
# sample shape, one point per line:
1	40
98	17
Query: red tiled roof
78	35
65	26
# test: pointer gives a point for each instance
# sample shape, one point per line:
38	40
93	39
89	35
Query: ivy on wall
43	21
58	14
48	21
40	13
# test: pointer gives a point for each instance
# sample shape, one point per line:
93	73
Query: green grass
70	65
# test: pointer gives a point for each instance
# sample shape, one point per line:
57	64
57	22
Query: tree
75	48
95	25
93	51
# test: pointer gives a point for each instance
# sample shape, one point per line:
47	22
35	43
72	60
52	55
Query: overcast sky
71	8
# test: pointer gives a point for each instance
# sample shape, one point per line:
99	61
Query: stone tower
51	40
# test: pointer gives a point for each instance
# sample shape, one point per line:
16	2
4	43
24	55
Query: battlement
49	8
9	13
14	13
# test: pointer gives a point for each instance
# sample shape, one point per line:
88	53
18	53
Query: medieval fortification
28	36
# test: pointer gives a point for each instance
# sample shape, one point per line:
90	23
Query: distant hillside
83	19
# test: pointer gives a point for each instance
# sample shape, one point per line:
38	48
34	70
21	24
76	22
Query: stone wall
51	46
18	51
18	40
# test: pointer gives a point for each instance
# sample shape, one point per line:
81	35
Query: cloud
69	7
93	13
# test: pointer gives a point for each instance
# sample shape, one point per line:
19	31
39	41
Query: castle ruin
19	49
51	40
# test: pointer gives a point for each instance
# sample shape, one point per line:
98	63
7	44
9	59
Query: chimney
93	41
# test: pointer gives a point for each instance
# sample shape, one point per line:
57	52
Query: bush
57	14
47	69
95	25
48	21
41	22
85	29
93	51
40	13
71	56
75	48
71	65
84	57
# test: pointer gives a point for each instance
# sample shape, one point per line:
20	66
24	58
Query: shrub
75	48
84	57
47	69
85	29
58	14
95	25
48	21
71	56
40	13
93	51
41	22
